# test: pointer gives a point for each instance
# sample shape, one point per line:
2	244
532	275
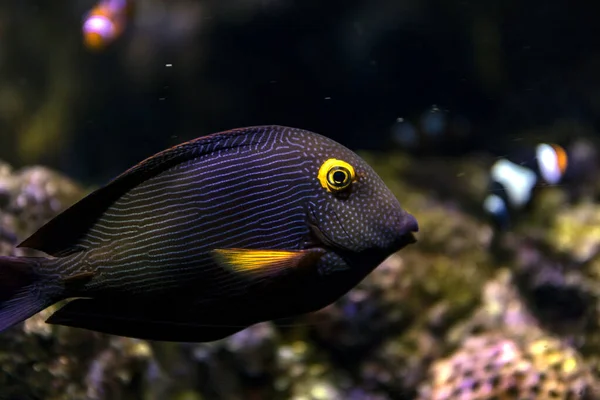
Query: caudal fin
20	290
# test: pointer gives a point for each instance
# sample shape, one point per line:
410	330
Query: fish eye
338	178
336	175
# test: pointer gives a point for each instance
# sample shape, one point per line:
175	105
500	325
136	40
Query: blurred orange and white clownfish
106	22
513	180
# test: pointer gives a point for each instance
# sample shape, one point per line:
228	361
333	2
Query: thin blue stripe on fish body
249	193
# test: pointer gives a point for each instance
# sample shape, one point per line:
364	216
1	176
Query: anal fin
124	320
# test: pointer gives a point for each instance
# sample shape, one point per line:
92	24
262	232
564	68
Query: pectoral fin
265	263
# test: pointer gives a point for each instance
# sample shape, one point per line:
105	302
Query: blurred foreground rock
38	361
501	352
498	366
439	320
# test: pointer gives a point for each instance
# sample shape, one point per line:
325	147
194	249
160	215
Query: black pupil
339	177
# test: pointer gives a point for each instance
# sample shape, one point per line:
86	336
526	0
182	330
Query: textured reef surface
461	315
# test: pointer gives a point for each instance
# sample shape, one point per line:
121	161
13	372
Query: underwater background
453	103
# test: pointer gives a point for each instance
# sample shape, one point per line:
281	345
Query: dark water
347	69
433	92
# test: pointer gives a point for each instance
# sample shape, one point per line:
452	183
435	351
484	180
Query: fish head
355	211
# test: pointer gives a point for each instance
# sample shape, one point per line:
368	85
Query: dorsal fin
63	233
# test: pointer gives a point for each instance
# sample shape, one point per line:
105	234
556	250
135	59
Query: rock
41	361
420	325
505	366
576	231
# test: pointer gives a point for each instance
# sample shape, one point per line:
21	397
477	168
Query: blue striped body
145	240
158	236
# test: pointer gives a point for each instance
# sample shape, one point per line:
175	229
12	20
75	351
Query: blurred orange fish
106	22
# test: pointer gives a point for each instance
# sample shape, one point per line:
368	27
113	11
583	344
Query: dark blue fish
211	236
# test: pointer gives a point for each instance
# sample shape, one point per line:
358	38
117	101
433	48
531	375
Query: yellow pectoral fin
264	262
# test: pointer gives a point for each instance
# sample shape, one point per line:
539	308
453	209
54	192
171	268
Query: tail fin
20	295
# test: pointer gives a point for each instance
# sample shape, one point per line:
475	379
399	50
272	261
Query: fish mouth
409	223
406	239
409	227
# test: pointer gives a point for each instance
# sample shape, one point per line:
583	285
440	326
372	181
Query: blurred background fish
515	178
106	22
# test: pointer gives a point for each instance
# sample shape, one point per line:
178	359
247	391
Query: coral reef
39	361
28	198
445	319
498	366
576	231
502	352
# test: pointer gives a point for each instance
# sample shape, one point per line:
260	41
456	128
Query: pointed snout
408	225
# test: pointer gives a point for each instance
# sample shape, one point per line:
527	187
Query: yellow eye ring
338	178
336	175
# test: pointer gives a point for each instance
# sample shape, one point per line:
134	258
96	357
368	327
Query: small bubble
434	121
405	134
